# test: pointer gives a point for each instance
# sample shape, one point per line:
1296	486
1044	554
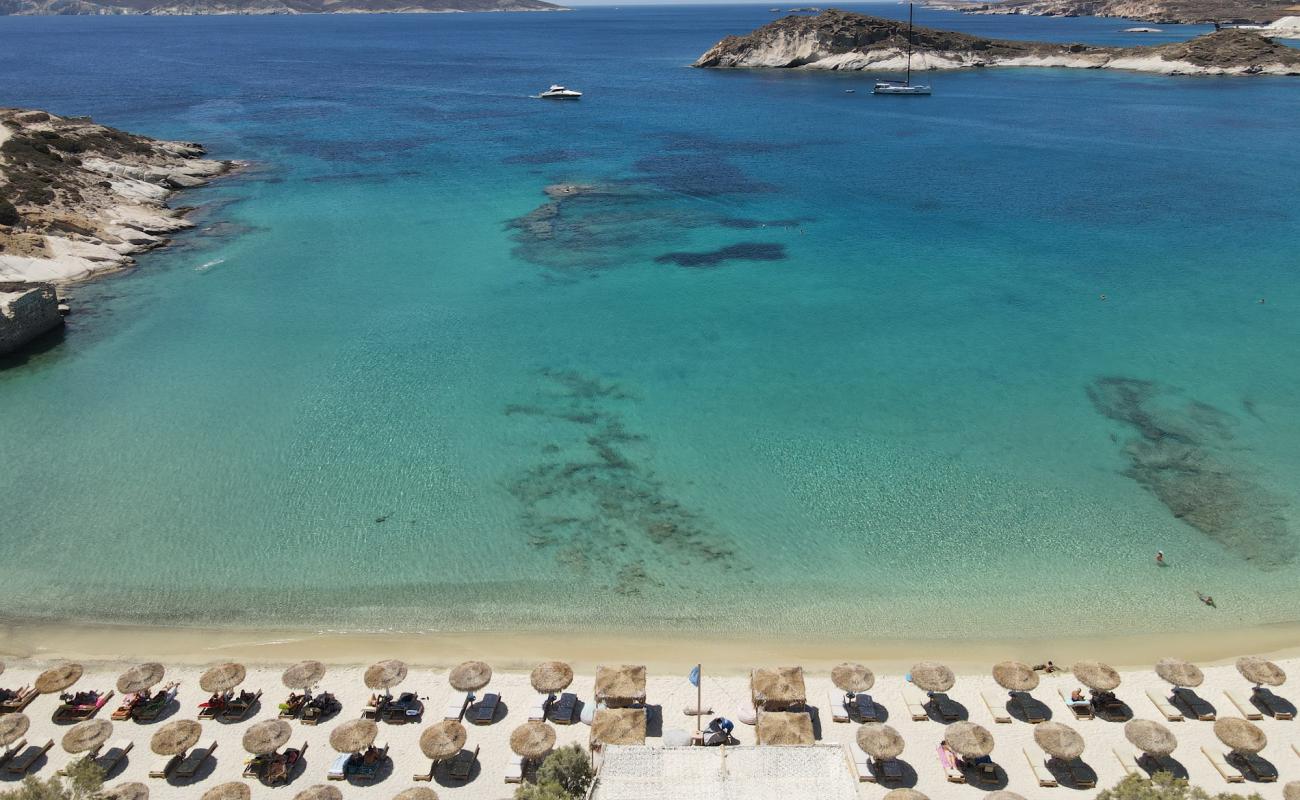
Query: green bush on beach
1163	786
82	781
565	774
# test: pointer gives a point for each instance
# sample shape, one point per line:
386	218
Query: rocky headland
840	40
1168	12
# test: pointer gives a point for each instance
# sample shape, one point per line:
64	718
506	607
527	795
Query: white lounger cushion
1040	771
1165	707
1243	705
538	711
339	764
456	705
1127	761
915	701
515	770
1229	772
861	761
996	704
835	705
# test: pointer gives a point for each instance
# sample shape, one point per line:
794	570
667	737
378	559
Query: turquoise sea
785	358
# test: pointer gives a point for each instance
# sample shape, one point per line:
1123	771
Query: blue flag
694	677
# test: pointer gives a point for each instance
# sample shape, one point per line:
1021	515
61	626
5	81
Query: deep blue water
820	355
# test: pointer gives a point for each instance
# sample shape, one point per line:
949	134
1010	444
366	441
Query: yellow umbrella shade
620	685
140	677
784	728
1240	735
778	688
851	677
619	726
1059	741
1180	672
86	736
303	675
1150	737
442	740
176	737
222	678
551	676
932	677
58	678
12	728
126	791
968	739
385	674
232	790
267	736
532	739
319	792
1096	675
354	736
880	741
1261	672
470	676
1015	676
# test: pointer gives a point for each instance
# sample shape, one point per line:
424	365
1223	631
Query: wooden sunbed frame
227	714
1272	710
1229	773
1076	711
915	703
835	706
950	771
26	694
1184	694
13	750
1128	763
540	706
515	769
81	713
192	763
1244	706
993	704
454	769
1164	706
1080	778
426	777
483	705
861	762
1041	774
22	763
1028	709
207	712
167	768
457	712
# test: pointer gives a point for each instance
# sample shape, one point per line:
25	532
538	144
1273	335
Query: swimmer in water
1206	599
1160	557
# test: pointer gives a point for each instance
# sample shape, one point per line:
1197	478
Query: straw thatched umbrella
1260	672
968	739
620	685
1059	741
1096	675
267	736
1003	794
1180	672
777	689
1291	791
86	736
303	675
56	679
126	791
176	737
12	728
852	678
385	674
1150	737
443	740
550	677
1015	676
880	741
619	726
470	676
932	677
319	792
532	739
354	736
232	790
1240	735
416	793
905	794
784	728
140	677
222	678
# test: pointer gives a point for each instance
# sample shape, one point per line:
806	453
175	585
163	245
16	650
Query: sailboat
906	87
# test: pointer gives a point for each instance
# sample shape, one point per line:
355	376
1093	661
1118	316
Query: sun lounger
861	762
456	706
1129	764
835	706
915	699
997	707
1165	707
1080	775
1243	705
239	707
149	710
168	768
281	768
563	710
1274	705
338	770
76	712
864	708
190	765
21	763
209	709
1081	709
1259	769
947	708
486	710
1031	709
462	765
21	698
1039	768
1221	765
538	712
366	769
1295	748
515	770
949	765
109	761
124	711
1195	704
14	749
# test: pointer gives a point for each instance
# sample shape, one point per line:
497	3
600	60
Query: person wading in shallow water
1206	599
1160	558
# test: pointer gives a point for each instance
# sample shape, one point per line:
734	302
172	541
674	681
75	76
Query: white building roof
725	773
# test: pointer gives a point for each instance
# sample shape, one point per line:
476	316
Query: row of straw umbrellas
235	790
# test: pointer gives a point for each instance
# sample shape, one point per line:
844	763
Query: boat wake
204	267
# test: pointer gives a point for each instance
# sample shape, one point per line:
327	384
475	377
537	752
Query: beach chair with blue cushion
1081	709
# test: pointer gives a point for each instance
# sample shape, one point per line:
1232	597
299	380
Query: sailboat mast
908	82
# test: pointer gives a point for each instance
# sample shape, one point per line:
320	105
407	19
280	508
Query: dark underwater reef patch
1180	453
744	251
594	500
745	224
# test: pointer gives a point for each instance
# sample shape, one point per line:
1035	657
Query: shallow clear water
387	386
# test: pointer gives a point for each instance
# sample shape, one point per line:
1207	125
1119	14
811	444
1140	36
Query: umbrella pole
699	696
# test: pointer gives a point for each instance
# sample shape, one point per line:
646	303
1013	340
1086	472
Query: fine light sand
669	693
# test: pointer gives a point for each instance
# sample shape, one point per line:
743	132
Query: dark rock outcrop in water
27	312
249	7
1168	12
745	251
1180	454
839	40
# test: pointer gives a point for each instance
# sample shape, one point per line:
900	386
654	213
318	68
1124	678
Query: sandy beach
725	691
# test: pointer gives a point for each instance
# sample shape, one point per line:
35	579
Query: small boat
557	92
906	87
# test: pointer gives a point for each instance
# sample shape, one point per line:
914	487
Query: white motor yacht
557	92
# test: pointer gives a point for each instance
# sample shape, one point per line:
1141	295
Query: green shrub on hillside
1163	786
